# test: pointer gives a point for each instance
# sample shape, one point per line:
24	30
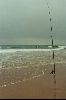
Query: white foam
62	47
3	85
28	50
42	72
12	83
50	46
18	50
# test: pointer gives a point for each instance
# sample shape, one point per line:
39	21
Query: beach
26	75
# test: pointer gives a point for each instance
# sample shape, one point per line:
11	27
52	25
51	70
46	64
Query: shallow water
30	72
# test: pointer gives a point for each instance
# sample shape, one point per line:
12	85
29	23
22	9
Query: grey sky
27	21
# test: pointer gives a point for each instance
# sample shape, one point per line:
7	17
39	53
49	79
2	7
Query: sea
13	56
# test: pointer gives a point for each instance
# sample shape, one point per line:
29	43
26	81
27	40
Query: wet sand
33	80
37	87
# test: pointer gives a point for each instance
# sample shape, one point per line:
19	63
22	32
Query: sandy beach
27	75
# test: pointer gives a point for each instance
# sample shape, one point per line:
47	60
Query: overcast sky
27	21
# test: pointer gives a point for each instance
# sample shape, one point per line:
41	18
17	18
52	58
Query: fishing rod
53	53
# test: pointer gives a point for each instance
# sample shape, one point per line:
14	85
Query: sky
24	22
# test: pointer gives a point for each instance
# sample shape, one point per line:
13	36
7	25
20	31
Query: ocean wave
28	50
